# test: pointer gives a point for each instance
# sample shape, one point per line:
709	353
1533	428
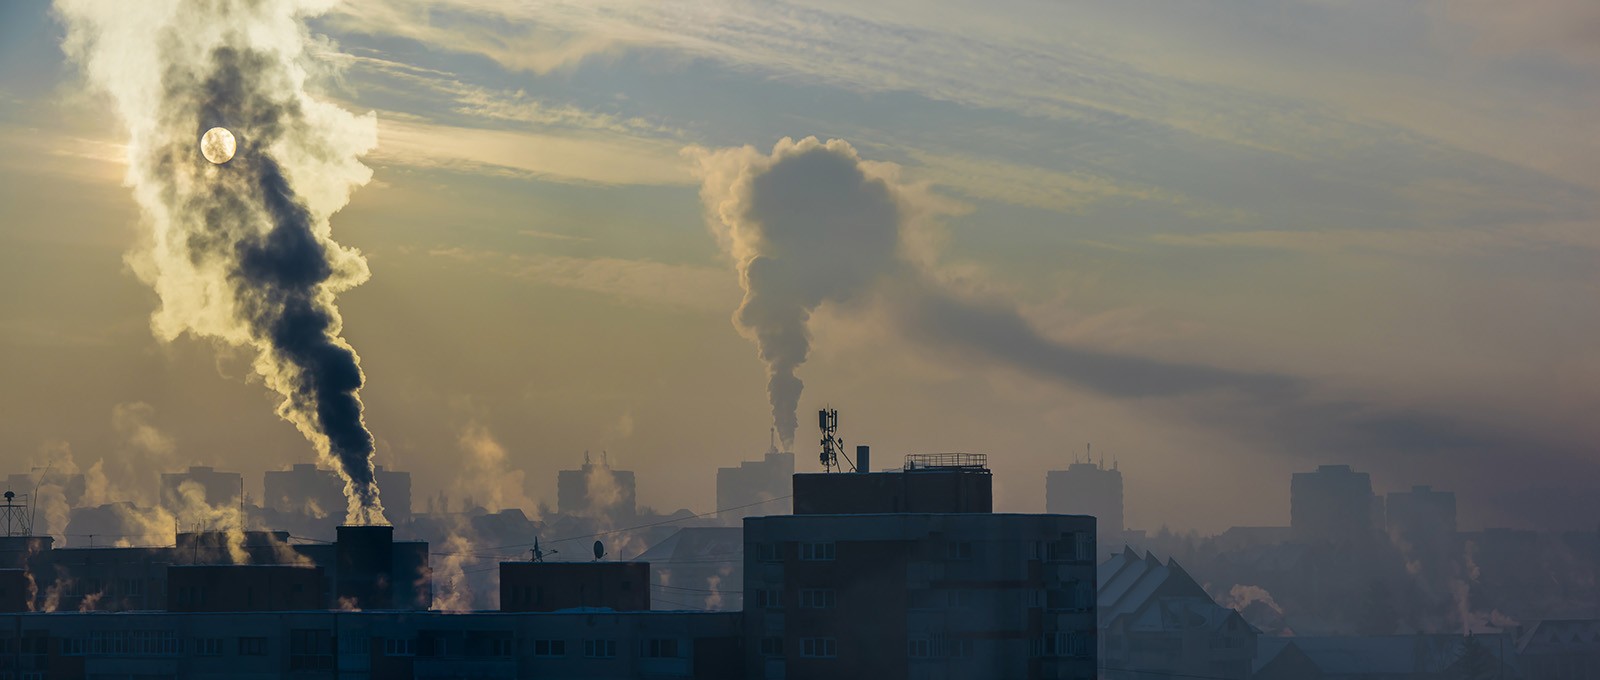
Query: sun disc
217	145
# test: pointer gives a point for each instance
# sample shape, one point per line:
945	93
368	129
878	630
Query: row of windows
817	648
654	648
124	643
1064	643
809	552
931	647
817	598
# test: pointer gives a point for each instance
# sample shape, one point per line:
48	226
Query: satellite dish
599	550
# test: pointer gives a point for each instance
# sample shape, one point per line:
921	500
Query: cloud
578	158
636	281
1568	29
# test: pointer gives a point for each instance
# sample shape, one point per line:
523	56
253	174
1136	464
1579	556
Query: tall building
1334	505
910	574
596	490
1422	515
200	487
318	492
751	489
1087	489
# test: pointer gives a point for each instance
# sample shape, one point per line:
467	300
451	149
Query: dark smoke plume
241	252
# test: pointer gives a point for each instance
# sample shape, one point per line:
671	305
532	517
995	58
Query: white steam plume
241	252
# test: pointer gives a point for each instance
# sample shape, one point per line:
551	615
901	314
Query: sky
1220	240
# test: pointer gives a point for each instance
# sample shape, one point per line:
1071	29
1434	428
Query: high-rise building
1422	517
596	490
909	574
1087	489
200	487
756	488
318	492
1335	505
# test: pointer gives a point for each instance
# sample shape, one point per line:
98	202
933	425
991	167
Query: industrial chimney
363	560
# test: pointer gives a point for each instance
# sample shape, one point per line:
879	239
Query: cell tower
16	517
832	445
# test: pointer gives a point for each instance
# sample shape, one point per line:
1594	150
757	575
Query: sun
217	145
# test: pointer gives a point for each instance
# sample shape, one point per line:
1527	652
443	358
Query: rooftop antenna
832	445
17	516
599	551
538	553
33	509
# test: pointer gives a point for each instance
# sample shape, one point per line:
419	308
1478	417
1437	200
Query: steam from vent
241	252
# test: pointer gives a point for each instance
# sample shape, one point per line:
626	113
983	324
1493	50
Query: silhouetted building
698	568
1157	621
244	588
1560	650
850	587
1422	517
1334	505
756	487
596	490
553	586
1380	657
373	645
930	483
1087	489
309	490
200	488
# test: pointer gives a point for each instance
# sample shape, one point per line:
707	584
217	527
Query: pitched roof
1155	595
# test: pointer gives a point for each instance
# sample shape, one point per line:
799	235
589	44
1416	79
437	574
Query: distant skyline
1223	240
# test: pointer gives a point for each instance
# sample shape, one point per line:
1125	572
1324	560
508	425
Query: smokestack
237	169
863	459
363	560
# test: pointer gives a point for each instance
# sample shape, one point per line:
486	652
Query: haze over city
1221	339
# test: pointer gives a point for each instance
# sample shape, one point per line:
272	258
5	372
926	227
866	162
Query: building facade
1334	505
756	487
1088	489
916	593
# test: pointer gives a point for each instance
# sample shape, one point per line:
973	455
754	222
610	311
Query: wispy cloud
583	158
631	281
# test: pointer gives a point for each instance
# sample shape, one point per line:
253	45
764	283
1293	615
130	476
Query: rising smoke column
242	252
805	225
813	222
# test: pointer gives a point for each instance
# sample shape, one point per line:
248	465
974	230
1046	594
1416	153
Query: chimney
863	459
363	558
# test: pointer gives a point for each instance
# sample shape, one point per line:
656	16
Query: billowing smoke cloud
485	470
242	253
806	225
813	223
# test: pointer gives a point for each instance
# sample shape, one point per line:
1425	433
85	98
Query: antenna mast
18	519
832	445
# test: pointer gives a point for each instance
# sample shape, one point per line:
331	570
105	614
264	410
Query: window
400	647
134	643
549	647
961	598
70	647
502	646
1073	643
958	550
816	598
252	646
208	647
1077	547
772	646
600	649
919	648
659	648
817	648
770	599
816	552
132	587
769	552
958	649
312	649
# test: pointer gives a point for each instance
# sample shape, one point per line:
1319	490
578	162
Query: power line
698	590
